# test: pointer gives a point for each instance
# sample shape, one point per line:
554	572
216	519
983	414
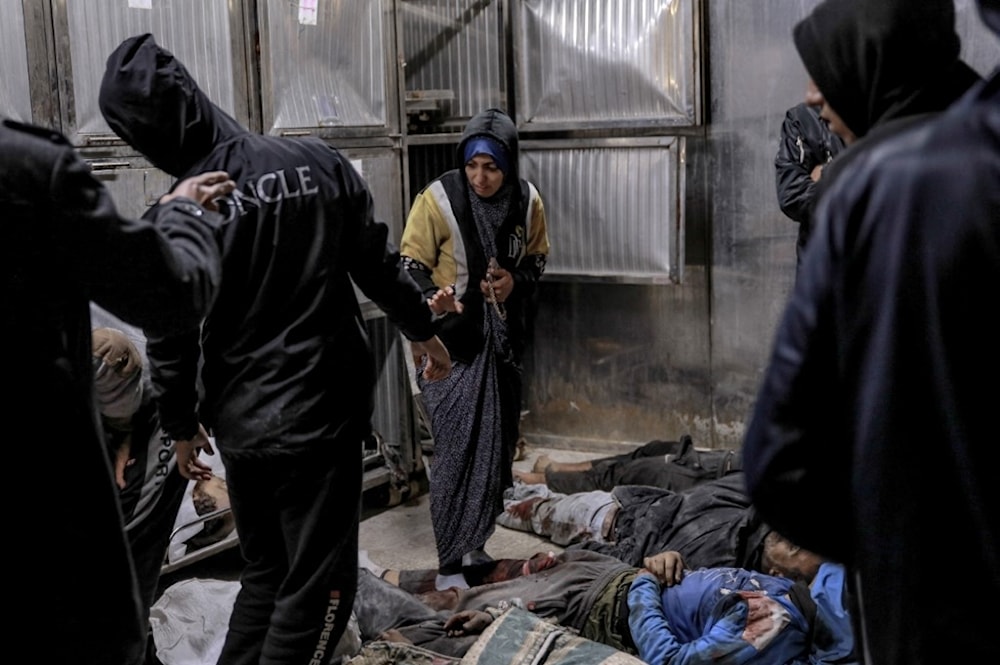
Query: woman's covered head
487	163
489	152
485	145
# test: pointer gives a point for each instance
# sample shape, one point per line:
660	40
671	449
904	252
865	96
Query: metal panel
455	61
324	66
607	63
207	35
393	417
614	207
134	184
15	92
381	169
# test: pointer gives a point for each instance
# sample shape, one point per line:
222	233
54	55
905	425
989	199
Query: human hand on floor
667	567
467	622
187	451
539	562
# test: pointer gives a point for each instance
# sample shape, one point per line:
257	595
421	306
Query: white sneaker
364	561
448	581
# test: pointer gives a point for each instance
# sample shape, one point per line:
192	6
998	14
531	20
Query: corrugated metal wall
454	55
15	94
607	64
330	73
200	32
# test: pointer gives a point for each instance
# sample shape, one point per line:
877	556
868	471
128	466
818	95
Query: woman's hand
445	301
498	285
438	359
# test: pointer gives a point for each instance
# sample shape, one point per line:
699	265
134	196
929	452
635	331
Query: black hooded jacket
805	143
286	327
873	439
881	66
711	524
876	61
65	246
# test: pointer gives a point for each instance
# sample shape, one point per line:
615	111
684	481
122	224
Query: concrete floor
402	536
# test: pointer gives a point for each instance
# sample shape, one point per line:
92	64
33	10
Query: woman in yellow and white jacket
479	230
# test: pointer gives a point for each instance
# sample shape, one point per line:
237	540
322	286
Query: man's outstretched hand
203	188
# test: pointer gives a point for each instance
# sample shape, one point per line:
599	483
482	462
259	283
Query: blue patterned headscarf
484	145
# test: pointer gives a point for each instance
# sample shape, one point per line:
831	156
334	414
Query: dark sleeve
159	273
173	371
421	274
529	269
527	273
793	165
375	265
793	456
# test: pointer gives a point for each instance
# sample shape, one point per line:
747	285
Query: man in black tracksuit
873	438
288	375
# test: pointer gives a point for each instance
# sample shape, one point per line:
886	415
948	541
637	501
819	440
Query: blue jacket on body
732	616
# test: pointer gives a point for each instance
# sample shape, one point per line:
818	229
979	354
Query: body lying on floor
661	612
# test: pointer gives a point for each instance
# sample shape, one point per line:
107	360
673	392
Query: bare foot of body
530	478
541	463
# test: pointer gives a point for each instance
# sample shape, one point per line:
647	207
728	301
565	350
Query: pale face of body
484	176
782	558
814	97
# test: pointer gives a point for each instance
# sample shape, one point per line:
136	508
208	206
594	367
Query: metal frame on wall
617	206
619	65
207	35
606	226
329	69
